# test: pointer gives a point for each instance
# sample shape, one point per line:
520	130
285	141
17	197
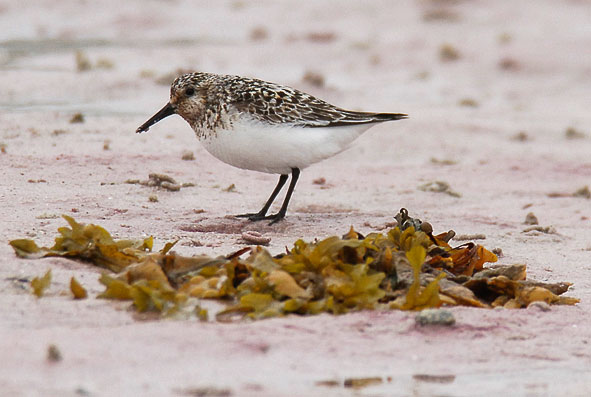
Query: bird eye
190	91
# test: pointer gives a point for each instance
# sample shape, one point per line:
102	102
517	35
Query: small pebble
508	63
259	33
315	79
448	53
188	155
439	187
53	354
328	383
497	251
80	391
437	161
321	37
153	198
426	227
435	317
531	219
521	136
583	192
82	62
468	102
358	383
573	133
77	118
230	189
540	306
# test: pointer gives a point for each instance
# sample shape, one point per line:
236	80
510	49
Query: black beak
166	111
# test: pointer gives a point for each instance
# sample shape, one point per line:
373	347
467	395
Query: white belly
255	146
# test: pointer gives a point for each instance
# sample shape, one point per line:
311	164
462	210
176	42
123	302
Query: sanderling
261	126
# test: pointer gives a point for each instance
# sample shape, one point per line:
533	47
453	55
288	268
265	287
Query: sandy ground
522	67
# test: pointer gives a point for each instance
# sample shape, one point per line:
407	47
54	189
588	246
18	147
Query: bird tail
389	116
352	118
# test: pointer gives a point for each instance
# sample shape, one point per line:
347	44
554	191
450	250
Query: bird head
187	99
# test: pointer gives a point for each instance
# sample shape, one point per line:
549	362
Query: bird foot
252	216
275	218
255	217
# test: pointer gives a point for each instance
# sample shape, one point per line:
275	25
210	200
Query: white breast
252	145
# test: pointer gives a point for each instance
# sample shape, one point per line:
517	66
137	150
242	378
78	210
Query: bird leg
259	216
262	214
295	174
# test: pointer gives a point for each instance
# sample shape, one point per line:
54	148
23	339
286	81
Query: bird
262	126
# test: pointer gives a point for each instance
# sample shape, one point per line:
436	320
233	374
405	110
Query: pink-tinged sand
526	64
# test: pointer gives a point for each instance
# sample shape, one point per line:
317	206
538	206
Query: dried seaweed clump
407	268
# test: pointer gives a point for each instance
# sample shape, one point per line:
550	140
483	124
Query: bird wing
277	104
